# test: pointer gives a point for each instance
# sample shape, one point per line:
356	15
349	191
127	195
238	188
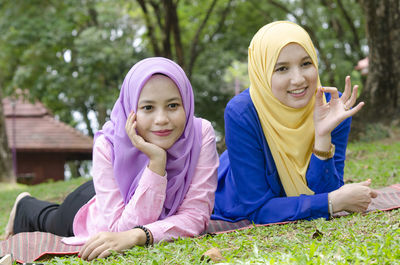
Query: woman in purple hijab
154	171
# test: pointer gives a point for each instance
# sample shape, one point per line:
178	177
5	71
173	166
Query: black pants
36	215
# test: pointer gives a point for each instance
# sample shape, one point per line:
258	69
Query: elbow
196	223
199	225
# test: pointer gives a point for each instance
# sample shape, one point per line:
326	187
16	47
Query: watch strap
325	154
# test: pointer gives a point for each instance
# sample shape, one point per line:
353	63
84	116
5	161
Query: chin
301	104
164	145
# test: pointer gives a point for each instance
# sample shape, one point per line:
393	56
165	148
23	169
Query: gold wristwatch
325	154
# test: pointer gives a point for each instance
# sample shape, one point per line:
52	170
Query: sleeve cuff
319	206
149	179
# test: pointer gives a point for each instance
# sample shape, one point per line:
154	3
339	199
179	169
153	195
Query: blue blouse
248	183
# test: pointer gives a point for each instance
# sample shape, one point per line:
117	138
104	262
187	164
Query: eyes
281	69
285	67
173	105
170	106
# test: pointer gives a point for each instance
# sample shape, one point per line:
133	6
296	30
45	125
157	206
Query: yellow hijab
288	131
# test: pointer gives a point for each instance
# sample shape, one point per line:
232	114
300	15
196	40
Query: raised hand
354	197
156	154
327	116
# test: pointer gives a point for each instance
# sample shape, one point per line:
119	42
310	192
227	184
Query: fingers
100	252
347	89
130	128
350	102
366	182
357	196
332	90
96	247
349	97
319	96
130	120
88	248
356	109
373	193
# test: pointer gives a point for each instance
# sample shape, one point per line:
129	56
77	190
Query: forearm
188	224
322	143
146	204
158	164
282	209
322	175
327	175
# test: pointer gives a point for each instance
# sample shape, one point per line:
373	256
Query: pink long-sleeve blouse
106	211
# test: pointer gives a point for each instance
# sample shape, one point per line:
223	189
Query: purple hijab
128	162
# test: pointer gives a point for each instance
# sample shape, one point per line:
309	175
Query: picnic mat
33	246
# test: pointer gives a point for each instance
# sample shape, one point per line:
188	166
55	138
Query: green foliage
73	55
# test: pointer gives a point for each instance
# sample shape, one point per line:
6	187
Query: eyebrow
147	101
284	63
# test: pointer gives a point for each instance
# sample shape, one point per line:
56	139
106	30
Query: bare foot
9	231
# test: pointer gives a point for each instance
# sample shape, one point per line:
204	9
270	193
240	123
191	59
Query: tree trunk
382	90
6	172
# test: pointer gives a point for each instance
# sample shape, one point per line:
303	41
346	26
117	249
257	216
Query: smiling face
160	116
295	78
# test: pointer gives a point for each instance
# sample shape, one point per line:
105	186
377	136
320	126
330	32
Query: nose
297	78
161	117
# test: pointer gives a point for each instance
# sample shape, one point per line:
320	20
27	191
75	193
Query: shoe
6	260
9	230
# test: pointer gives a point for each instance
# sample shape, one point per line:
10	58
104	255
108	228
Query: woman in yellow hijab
286	137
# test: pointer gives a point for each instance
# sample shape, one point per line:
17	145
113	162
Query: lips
298	92
162	132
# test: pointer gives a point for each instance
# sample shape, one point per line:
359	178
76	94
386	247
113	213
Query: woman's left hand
101	245
327	116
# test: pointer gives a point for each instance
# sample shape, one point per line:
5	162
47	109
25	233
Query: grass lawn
373	238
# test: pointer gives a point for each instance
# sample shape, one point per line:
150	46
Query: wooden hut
41	145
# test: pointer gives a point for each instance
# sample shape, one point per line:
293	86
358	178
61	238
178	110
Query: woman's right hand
157	155
102	244
354	197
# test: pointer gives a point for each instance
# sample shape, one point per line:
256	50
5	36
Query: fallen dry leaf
214	254
317	235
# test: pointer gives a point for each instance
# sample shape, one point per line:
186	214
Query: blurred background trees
72	55
382	89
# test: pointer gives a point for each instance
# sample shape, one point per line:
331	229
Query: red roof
36	130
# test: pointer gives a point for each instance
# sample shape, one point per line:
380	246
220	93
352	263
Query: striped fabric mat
28	247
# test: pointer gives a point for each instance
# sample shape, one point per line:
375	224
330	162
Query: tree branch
167	28
198	32
221	22
150	28
259	9
177	35
352	28
284	8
